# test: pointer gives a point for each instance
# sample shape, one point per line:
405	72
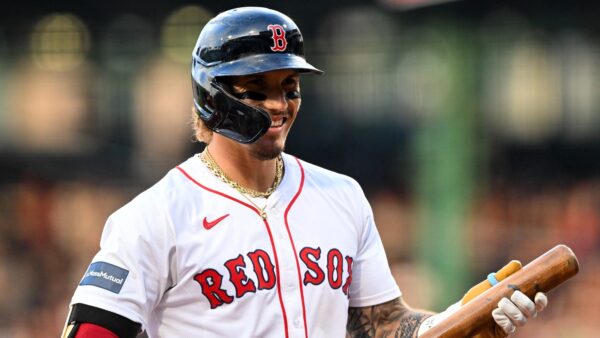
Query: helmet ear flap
227	115
205	107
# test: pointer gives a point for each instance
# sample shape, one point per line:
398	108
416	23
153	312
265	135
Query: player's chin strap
116	324
492	279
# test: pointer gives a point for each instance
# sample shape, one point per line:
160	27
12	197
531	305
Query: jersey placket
289	270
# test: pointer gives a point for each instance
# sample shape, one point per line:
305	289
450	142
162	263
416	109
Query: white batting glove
515	311
435	319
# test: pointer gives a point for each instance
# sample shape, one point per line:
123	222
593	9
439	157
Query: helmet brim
261	63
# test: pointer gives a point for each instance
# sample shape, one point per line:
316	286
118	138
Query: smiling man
243	239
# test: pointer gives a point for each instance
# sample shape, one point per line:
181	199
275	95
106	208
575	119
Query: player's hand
512	312
515	311
493	278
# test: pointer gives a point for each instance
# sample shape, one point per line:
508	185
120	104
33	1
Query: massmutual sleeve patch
106	276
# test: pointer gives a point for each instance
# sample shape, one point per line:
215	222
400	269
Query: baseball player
244	240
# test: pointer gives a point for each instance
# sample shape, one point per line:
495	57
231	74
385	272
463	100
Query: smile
278	123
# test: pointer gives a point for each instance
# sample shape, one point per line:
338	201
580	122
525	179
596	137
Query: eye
250	95
292	87
290	81
292	94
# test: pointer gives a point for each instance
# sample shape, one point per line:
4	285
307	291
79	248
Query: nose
276	101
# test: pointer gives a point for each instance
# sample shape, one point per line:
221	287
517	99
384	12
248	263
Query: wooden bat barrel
543	274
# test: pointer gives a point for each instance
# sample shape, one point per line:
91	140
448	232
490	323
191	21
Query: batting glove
515	311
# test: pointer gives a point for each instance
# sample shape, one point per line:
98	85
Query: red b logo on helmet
279	41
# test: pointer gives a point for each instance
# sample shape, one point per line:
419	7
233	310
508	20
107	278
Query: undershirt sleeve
88	330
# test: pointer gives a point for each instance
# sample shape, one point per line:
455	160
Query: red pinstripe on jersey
285	217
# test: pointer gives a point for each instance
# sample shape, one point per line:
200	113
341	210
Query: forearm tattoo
391	319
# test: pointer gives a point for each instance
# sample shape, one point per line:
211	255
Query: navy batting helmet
242	41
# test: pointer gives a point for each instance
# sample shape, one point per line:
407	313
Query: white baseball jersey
191	257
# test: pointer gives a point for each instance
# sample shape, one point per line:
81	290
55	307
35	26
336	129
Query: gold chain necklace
262	211
212	165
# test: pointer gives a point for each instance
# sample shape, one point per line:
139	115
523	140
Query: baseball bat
542	274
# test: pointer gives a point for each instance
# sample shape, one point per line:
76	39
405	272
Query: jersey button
297	322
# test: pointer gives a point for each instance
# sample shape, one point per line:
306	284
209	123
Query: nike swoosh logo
209	224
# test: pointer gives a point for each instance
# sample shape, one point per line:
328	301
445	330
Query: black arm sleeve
123	327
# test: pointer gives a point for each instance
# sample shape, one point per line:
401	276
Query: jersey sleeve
372	280
132	269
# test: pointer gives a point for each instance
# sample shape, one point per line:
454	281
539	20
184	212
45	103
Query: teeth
277	123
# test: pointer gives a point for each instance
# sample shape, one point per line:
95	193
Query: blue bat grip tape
492	279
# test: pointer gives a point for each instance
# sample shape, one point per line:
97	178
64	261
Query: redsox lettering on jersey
258	249
265	278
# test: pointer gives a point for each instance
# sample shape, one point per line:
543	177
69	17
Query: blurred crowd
509	222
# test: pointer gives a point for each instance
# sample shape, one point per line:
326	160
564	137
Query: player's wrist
436	318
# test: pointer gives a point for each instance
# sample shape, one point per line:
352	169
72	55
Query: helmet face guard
242	41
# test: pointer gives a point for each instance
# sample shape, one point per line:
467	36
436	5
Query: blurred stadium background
473	126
